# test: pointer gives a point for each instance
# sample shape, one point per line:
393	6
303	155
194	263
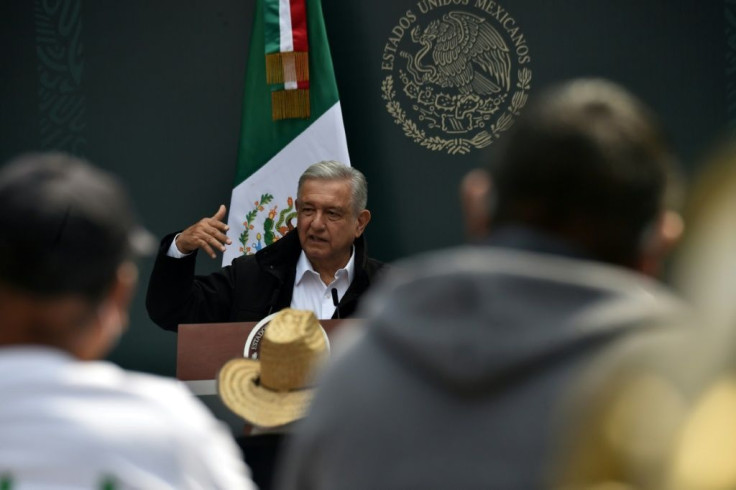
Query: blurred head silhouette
66	255
588	163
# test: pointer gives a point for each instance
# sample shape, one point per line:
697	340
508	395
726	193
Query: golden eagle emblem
468	54
458	78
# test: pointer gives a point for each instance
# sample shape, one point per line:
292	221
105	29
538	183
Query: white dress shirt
310	293
174	251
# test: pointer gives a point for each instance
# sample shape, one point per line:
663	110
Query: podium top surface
202	348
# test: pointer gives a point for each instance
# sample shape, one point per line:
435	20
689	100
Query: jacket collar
280	258
304	266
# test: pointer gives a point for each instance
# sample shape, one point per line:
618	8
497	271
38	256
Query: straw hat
274	389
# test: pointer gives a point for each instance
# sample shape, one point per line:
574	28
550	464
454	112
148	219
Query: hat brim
238	388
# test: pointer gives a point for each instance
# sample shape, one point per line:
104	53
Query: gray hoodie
457	380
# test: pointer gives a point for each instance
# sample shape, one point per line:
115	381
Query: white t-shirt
68	424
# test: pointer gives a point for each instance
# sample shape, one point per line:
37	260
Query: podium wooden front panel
202	348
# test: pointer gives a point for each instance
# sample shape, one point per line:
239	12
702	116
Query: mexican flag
291	119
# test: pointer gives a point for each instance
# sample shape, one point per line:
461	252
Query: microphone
274	299
336	302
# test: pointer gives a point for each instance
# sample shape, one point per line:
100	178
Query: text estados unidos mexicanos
488	6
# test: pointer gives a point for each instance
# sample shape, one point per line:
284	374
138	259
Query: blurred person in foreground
467	351
273	391
664	415
67	276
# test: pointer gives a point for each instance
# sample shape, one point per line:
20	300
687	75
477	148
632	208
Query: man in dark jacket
321	261
457	378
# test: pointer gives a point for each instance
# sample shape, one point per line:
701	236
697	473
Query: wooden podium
202	348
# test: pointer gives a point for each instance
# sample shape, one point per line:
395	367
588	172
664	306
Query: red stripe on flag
299	25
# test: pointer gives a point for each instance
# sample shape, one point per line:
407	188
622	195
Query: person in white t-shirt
67	419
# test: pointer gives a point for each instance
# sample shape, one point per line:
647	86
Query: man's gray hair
334	170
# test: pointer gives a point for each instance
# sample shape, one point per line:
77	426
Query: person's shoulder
106	400
375	266
91	407
148	395
165	395
185	423
483	260
244	261
489	272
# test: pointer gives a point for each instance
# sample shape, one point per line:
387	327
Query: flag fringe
287	67
290	104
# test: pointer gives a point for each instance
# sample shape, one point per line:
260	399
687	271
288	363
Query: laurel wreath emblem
458	146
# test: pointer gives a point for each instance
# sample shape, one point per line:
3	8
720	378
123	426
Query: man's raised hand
207	234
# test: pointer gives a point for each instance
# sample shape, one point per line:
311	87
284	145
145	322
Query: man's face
326	223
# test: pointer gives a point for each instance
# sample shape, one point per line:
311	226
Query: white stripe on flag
317	142
287	38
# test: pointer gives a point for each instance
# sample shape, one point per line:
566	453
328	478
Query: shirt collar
303	266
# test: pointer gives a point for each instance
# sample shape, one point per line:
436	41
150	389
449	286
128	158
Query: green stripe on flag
260	137
6	482
272	30
109	483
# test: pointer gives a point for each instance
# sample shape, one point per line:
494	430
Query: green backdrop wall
153	89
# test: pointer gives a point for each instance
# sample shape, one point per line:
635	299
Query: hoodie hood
471	317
